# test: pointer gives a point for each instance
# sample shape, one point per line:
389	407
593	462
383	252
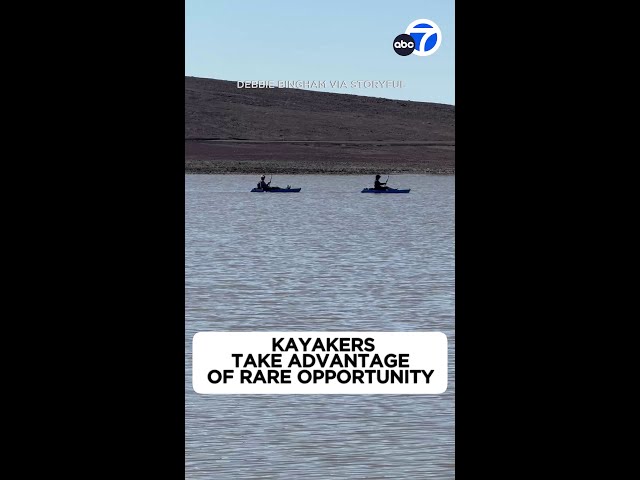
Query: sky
287	40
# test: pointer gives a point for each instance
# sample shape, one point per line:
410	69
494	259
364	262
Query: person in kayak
264	185
378	185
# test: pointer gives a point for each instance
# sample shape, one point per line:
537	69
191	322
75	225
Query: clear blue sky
320	40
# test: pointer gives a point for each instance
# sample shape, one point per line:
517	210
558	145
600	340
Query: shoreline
318	157
318	172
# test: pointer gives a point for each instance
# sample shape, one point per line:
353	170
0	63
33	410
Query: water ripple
328	258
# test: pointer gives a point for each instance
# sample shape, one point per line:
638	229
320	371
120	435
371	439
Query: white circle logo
427	36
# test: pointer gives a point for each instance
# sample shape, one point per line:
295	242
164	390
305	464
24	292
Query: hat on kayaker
262	177
377	176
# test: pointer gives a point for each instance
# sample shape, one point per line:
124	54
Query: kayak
278	190
388	190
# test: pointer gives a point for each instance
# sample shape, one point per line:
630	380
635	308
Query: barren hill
234	130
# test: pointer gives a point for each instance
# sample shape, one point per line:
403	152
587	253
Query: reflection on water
327	258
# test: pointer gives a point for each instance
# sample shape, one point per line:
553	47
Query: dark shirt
264	185
378	185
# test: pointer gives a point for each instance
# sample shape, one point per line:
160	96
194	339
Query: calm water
327	258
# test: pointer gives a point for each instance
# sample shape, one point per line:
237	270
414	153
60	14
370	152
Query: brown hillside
232	130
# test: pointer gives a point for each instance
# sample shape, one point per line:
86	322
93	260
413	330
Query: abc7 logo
422	38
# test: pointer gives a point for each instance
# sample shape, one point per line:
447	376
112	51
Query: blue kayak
388	190
277	190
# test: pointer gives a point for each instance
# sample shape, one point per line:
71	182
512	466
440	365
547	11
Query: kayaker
378	185
264	185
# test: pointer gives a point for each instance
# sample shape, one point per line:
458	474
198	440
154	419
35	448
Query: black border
510	221
111	334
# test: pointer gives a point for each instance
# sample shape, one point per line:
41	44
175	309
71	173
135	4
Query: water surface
327	258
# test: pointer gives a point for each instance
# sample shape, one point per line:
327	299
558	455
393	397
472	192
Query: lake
326	259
